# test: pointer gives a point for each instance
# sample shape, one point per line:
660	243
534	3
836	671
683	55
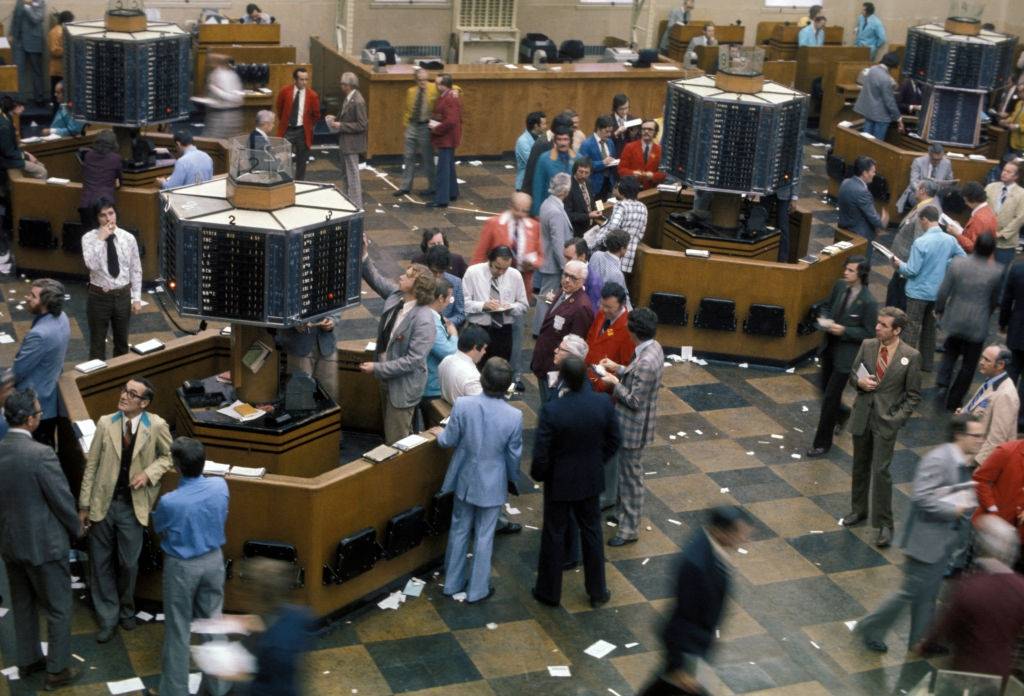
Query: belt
123	290
423	123
291	128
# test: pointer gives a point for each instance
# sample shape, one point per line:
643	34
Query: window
793	4
617	3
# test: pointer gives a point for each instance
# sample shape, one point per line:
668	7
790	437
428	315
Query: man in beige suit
1006	198
995	402
887	376
130	452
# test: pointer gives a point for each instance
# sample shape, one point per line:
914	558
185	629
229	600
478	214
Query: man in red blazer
445	135
608	336
518	231
570	313
1000	484
642	157
298	110
983	219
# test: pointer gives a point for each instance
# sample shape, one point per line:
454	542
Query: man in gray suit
877	99
857	206
555	231
635	387
37	515
931	529
934	167
40	359
351	126
405	336
886	373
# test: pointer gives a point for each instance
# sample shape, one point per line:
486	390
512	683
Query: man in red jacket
983	219
608	336
641	158
298	110
518	231
1000	484
445	135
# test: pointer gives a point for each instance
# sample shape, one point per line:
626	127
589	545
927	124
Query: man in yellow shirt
419	103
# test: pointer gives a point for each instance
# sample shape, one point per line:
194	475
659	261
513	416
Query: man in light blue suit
870	31
40	360
487	435
601	151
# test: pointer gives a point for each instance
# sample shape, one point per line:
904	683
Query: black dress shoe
28	670
875	645
852	519
510	528
595	602
62	678
816	452
542	600
433	204
884	537
570	565
105	634
399	193
487	596
129	624
620	541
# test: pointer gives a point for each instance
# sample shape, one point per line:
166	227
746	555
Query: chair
571	51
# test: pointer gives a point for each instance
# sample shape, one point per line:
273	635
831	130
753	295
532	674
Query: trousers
350	168
417	154
631	492
480	522
557	516
115	543
446	183
920	331
296	135
611	482
920	589
833	384
872	456
103	310
46	587
969	352
322	368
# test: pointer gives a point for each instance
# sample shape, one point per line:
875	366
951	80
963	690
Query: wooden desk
811	61
145	177
313	513
839	90
242	54
679	37
785	40
9	78
494	97
239	34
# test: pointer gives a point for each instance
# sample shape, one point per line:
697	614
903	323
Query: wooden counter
681	34
784	40
811	61
839	90
313	514
495	99
238	33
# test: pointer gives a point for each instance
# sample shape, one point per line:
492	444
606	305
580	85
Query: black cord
163	308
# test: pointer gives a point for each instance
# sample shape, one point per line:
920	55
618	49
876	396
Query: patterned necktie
1002	197
647	150
515	237
417	108
497	318
127	434
883	362
604	151
586	193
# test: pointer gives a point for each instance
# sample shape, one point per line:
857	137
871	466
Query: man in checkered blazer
635	387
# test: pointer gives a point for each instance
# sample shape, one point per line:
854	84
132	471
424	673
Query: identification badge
904	361
559	322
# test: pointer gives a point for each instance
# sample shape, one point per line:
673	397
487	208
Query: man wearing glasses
641	158
130	452
570	313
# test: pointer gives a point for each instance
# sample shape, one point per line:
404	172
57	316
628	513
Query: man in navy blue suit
601	151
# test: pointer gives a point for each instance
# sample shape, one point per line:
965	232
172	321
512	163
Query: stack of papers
223	659
410	441
150	346
90	366
60	181
249	471
242	412
211	468
86	429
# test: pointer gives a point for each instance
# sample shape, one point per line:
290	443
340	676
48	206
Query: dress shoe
595	602
510	528
62	678
520	387
816	452
28	670
852	520
884	537
875	645
426	192
542	600
433	204
129	623
490	593
620	541
399	193
570	565
105	634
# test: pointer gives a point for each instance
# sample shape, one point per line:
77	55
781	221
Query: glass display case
741	60
268	164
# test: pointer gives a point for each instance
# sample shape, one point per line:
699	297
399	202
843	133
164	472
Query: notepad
146	347
409	442
211	468
90	366
632	122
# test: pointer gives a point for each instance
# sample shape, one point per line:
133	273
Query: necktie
604	149
931	171
586	193
127	434
293	117
1002	197
515	237
387	326
113	264
607	323
883	362
647	150
417	108
976	398
497	318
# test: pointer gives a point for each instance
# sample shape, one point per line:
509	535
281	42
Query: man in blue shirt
190	522
870	31
813	34
446	340
193	166
536	123
929	257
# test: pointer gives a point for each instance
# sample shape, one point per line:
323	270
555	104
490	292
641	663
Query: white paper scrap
804	409
743	365
778	437
675	522
726	488
491	626
791	370
78	586
6	338
414	588
599	649
816	531
194	680
742	551
144	615
850	625
530	526
392	601
11	673
126	686
559	671
78	657
643	563
511	510
159	617
482	218
3	612
630	645
699	432
816	645
795	455
459	596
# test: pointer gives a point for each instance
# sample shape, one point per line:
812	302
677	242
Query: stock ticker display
938	57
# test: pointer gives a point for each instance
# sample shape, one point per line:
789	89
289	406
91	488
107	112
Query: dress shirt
604	267
225	89
809	37
193	167
929	257
133	423
64	124
870	33
459	376
444	345
300	97
476	286
406	308
190	519
94	252
630	216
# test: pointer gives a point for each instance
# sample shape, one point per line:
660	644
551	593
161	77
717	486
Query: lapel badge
904	361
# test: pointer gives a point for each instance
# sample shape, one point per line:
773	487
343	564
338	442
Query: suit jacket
600	172
27	27
257	141
555	231
1010	216
448	112
919	169
968	294
310	114
1011	310
997	405
352	122
572	316
40	359
576	435
495	233
487	434
577	209
636	395
300	343
632	161
1000	484
152	455
983	220
11	156
701	589
858	317
877	98
930	527
37	511
857	208
888	407
402	367
615	344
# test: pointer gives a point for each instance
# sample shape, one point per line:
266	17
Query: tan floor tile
801	689
574	595
529	416
716	455
869	586
395	237
814	477
843	646
786	389
512	648
143	646
351	668
737	623
690	492
477	688
638	669
685	375
742	422
417	618
671	405
357	312
772	560
653	542
793	517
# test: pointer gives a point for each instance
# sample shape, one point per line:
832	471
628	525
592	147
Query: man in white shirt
115	281
224	97
458	372
495	296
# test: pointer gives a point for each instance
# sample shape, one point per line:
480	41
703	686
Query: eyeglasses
129	392
570	276
648	130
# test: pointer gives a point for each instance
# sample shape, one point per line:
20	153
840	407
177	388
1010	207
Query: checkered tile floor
717	442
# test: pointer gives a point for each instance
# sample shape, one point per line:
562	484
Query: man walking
298	109
417	153
887	375
130	453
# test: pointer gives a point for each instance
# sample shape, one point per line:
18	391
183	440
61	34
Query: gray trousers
518	326
350	168
115	543
920	589
611	482
397	421
547	281
920	330
46	587
631	492
322	368
193	589
417	153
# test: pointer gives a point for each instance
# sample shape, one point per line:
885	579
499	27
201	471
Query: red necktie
883	362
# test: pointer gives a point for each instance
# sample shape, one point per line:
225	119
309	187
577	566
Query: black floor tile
836	551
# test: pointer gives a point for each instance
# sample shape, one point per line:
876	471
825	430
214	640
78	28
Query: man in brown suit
570	313
887	376
351	126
